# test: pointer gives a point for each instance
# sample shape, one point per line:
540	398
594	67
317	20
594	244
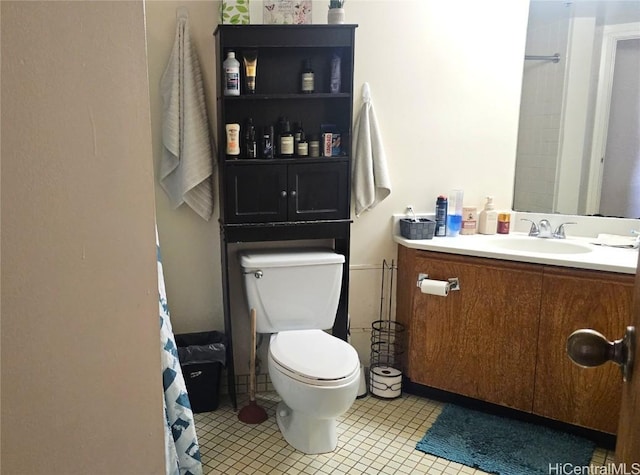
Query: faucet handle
559	232
534	231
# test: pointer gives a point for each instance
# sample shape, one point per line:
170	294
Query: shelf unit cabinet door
479	341
574	299
256	194
318	191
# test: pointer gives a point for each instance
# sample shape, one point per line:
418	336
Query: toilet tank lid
263	258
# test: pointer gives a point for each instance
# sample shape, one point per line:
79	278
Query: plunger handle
252	363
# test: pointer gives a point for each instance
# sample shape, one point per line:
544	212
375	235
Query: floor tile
375	436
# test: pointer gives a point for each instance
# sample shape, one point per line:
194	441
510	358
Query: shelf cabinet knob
283	194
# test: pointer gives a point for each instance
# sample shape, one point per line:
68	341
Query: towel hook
182	12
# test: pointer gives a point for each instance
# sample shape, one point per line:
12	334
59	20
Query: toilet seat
314	357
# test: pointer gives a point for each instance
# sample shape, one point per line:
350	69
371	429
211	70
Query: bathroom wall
81	379
445	79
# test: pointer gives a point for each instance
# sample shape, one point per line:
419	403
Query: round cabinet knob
589	348
283	194
294	193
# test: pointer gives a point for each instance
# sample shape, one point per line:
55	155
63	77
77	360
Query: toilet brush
252	414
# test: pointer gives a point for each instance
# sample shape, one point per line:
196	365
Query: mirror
579	132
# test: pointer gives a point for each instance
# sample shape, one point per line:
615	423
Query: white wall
445	79
81	374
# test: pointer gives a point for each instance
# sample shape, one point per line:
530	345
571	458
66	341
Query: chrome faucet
533	231
559	232
543	229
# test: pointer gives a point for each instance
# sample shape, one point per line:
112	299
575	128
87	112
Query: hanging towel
186	167
371	182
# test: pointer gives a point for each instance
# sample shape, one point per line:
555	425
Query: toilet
295	293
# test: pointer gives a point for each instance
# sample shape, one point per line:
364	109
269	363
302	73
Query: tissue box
235	12
422	229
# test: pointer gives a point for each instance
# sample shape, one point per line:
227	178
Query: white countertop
601	258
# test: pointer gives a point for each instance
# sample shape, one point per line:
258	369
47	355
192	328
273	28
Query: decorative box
287	12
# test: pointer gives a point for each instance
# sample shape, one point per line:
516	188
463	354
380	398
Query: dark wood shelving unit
284	199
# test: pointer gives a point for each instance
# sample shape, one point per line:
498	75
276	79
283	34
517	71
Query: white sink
539	245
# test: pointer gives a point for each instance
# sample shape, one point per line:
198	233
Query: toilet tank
292	289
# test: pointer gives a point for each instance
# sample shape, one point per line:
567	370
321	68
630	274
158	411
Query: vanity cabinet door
479	341
574	299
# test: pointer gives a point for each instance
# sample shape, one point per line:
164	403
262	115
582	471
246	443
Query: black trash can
202	356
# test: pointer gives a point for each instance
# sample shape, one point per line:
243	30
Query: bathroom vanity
501	338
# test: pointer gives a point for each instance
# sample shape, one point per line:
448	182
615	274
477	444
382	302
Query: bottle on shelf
314	146
231	67
266	145
233	140
302	149
285	149
307	82
297	128
250	145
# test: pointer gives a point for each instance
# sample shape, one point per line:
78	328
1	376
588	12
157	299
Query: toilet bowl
295	294
317	376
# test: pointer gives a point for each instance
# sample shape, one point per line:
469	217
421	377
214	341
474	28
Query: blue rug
501	445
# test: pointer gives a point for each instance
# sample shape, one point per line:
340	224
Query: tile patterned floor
374	437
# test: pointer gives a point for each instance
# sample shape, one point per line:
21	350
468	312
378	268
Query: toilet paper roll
435	287
385	382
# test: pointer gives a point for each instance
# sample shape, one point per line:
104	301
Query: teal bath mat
501	445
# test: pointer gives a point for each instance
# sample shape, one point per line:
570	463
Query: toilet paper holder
454	282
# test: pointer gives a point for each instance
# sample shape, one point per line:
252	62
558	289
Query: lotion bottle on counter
488	218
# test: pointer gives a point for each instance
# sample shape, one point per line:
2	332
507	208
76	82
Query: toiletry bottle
250	58
302	150
266	145
469	220
307	80
504	220
233	140
334	81
231	68
488	218
314	146
454	213
297	128
286	140
250	145
441	216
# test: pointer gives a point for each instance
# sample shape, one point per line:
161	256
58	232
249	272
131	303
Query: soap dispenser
488	218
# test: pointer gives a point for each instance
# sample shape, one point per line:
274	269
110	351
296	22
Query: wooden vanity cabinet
502	337
480	341
574	299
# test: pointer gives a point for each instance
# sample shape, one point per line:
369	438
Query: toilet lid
314	354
